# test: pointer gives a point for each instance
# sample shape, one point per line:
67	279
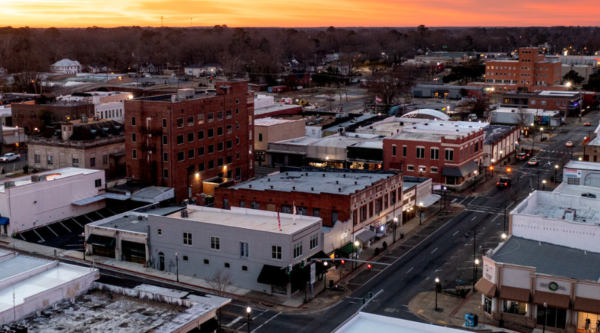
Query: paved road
15	165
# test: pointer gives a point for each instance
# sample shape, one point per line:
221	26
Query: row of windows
111	114
375	207
287	209
215	244
422	168
435	152
37	159
199	119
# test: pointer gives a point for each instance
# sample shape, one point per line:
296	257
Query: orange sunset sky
298	13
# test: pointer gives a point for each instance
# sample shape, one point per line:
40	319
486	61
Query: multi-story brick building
348	201
191	141
34	117
530	72
448	152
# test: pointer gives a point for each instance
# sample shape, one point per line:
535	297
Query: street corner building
352	204
192	141
239	249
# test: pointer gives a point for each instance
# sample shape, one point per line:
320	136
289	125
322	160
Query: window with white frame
276	252
297	249
314	241
449	155
187	238
215	243
434	169
410	168
435	153
420	152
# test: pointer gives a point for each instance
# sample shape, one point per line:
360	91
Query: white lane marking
233	321
474	217
409	270
496	217
462	200
434	250
455	233
427	278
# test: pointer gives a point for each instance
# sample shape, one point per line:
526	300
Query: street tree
221	282
573	77
392	88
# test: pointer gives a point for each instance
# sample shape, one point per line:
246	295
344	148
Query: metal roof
103	196
550	259
19	265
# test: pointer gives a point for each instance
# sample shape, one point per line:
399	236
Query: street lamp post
395	227
555	171
177	265
475	274
248	310
356	244
437	288
325	275
503	236
420	213
543	185
545	317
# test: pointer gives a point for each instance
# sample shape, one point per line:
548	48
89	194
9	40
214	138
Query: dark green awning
104	241
347	249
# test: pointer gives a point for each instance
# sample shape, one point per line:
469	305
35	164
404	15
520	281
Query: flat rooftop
559	93
569	206
537	112
494	132
341	141
134	221
303	141
433	130
39	283
583	165
198	94
275	108
245	218
549	258
272	121
50	176
368	322
343	183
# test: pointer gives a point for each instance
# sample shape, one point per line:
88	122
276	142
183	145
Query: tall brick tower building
191	141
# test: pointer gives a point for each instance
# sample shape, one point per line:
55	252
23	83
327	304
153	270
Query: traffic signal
369	267
343	261
289	269
302	264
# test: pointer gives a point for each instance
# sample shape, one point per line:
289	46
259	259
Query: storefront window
588	321
513	307
556	317
487	305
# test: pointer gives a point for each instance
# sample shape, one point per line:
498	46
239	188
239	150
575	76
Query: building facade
66	66
569	103
192	141
34	117
33	201
530	72
448	152
254	247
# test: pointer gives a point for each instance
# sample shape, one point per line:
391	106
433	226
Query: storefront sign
572	173
553	286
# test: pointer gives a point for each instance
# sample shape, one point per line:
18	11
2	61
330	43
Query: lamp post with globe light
475	273
356	244
437	290
555	173
248	310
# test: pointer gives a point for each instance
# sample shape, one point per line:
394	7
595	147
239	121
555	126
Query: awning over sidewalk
104	241
587	305
486	287
366	235
553	300
514	294
103	196
461	171
429	200
273	275
347	249
4	221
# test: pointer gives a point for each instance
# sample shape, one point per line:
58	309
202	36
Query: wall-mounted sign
572	173
553	286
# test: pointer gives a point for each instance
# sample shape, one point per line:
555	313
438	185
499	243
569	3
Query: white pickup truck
10	157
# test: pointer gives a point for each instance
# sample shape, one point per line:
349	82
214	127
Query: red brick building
365	198
449	152
530	72
191	141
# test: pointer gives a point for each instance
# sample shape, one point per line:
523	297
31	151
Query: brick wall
28	115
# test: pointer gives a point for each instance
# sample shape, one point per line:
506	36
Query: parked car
503	182
587	124
569	144
10	157
533	161
521	156
527	152
589	195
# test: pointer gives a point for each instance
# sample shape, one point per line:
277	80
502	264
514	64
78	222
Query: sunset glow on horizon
304	13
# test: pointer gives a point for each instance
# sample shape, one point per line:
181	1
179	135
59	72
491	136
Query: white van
472	117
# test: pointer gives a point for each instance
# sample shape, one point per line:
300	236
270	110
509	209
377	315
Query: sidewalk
323	297
452	309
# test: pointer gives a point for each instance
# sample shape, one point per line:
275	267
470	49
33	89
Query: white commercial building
29	284
112	110
364	322
36	200
66	66
524	117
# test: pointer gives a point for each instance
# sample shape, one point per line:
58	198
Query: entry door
161	261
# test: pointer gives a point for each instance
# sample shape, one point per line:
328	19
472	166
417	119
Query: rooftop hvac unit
185	93
9	183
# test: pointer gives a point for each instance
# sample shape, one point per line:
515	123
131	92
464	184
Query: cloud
306	13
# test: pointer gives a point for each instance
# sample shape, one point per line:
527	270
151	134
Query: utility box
471	320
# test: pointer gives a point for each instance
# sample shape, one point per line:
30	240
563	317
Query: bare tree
392	88
221	281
